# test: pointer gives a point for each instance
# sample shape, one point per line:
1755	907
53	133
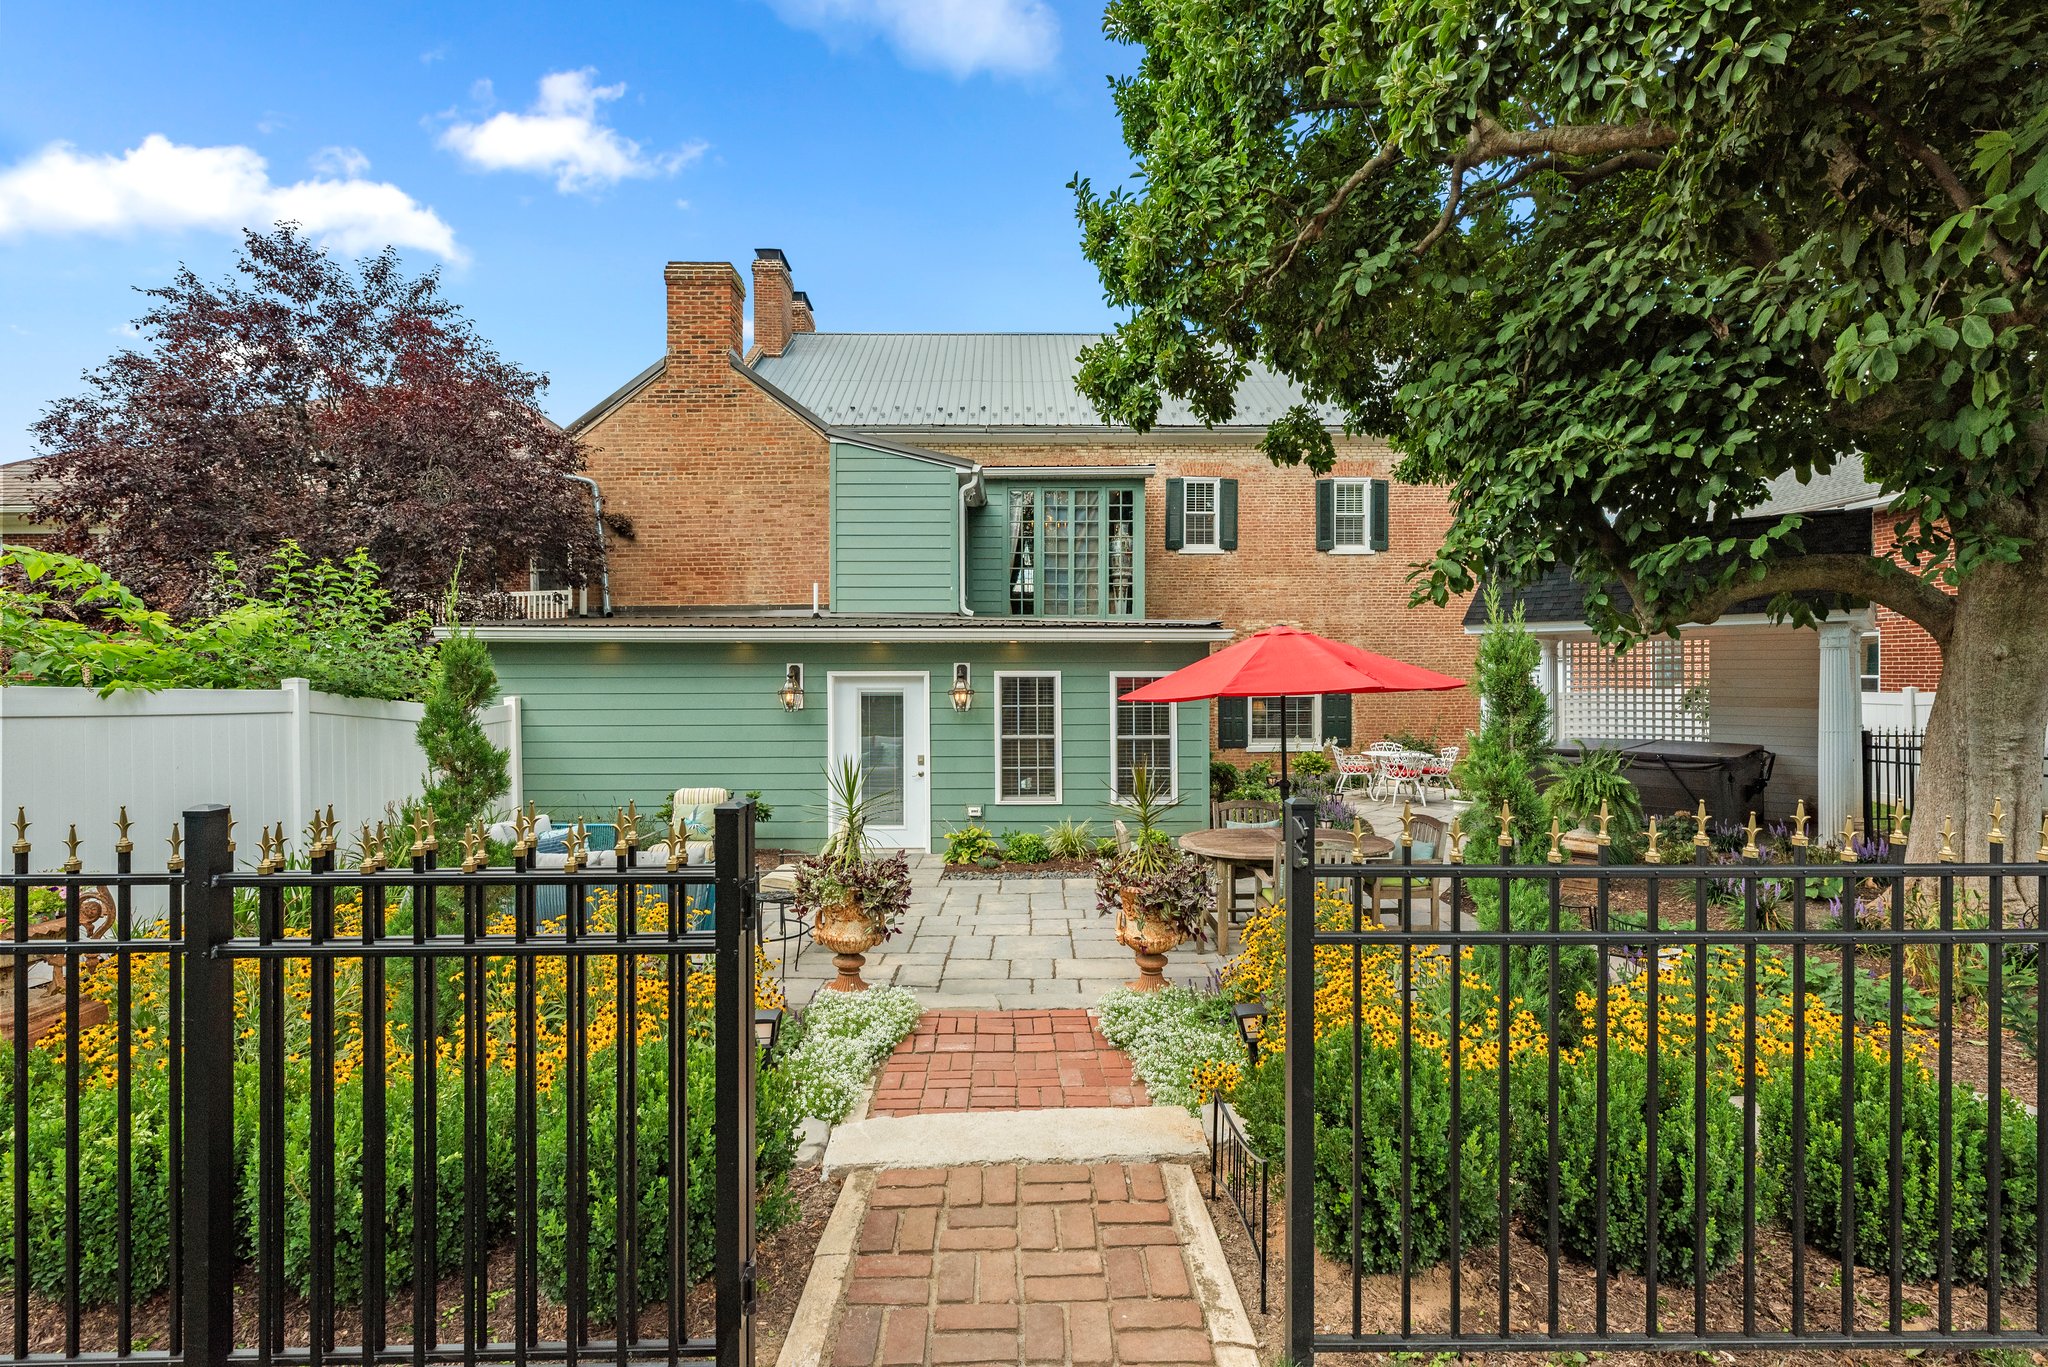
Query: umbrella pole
1284	785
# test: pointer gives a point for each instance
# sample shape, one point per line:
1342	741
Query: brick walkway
1005	1061
1032	1264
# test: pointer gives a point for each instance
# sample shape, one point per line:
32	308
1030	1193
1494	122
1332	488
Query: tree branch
1870	577
1450	213
1320	219
1944	176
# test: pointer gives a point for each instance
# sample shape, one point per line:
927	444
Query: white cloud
563	135
345	162
163	185
961	37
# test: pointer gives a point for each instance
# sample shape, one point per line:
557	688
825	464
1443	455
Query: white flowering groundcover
839	1041
1169	1034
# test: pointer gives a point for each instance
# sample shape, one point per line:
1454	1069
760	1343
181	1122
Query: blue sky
910	156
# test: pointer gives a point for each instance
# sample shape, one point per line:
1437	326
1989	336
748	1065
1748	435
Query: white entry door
883	723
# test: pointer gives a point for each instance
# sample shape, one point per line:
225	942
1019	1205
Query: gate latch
747	1284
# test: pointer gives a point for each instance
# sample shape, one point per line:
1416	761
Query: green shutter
1337	717
1326	514
1378	491
1174	512
1233	724
1226	514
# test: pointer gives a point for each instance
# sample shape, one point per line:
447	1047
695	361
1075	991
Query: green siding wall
895	533
606	722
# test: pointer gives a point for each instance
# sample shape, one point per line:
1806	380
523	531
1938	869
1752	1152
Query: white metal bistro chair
1384	756
1353	768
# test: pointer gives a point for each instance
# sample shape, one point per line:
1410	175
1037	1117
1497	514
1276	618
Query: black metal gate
1650	1109
417	1114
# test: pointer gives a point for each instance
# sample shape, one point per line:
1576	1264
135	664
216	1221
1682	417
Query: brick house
829	506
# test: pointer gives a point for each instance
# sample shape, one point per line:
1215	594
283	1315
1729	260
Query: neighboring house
1804	694
879	514
21	484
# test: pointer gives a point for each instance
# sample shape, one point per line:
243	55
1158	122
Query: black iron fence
1891	768
381	1114
1738	1104
1237	1170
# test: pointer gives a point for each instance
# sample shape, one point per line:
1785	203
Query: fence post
733	863
1300	824
210	1194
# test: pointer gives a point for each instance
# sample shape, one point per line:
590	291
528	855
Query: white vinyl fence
69	756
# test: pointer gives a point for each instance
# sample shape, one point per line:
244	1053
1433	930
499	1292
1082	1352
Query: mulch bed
1528	1299
783	1262
1051	868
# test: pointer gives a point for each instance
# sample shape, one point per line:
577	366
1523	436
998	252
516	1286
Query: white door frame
916	831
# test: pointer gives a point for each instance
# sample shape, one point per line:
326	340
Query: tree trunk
1984	735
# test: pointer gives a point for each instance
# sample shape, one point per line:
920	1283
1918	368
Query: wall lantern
1251	1026
792	693
963	691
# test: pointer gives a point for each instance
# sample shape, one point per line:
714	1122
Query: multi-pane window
1871	654
1351	527
1198	514
1072	551
1142	736
1027	737
1266	721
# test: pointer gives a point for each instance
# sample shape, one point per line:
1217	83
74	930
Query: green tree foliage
66	622
1513	740
468	772
1605	272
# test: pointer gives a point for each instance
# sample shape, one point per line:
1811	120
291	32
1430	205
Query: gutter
972	495
983	630
604	563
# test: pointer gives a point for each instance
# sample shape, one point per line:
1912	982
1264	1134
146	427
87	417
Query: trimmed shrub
1025	847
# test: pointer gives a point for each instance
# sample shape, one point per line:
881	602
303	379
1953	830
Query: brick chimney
800	317
773	298
705	299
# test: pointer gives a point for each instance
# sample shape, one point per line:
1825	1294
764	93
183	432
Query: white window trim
1059	729
1172	795
1365	492
1213	546
1294	747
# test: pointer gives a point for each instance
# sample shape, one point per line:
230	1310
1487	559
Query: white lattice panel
1657	691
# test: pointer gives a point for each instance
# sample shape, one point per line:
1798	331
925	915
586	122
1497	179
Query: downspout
970	485
604	566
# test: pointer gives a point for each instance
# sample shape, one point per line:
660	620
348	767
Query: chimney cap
771	254
800	297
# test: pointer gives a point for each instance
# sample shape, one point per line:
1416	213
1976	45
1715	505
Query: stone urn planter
1149	939
849	935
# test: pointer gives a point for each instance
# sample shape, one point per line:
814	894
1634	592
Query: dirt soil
783	1261
1528	1298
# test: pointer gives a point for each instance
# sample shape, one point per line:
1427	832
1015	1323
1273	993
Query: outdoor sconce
792	693
963	691
767	1031
1251	1024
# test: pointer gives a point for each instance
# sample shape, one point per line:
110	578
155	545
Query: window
1351	525
1024	551
1199	515
1141	733
1302	722
1871	655
1072	551
1027	738
1123	552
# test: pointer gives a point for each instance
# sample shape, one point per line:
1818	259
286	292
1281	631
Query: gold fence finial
71	864
369	860
1456	835
1556	855
1699	827
619	828
379	857
1898	835
333	830
1799	823
1749	849
677	851
1602	836
263	864
419	834
21	830
432	843
231	835
1652	855
176	861
1407	824
283	846
122	844
1996	835
1948	838
1507	831
631	834
1848	832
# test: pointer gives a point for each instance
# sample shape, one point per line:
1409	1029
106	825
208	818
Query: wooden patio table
1230	848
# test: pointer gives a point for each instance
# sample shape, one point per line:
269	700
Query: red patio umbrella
1283	662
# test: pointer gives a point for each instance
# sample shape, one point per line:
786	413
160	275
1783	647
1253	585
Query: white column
515	752
1547	679
1840	713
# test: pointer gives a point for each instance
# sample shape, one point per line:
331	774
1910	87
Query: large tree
1605	269
307	399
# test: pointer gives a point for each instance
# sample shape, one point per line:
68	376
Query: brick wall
1906	655
727	489
1276	574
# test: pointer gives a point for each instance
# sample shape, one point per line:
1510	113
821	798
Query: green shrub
1255	784
969	845
1223	777
1025	847
1578	967
1311	764
468	772
1071	840
1169	1034
1513	738
1920	1140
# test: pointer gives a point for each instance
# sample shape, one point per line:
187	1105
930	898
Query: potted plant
853	896
1157	893
1580	790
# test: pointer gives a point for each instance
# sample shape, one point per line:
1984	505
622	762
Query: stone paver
1004	1061
1020	1264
